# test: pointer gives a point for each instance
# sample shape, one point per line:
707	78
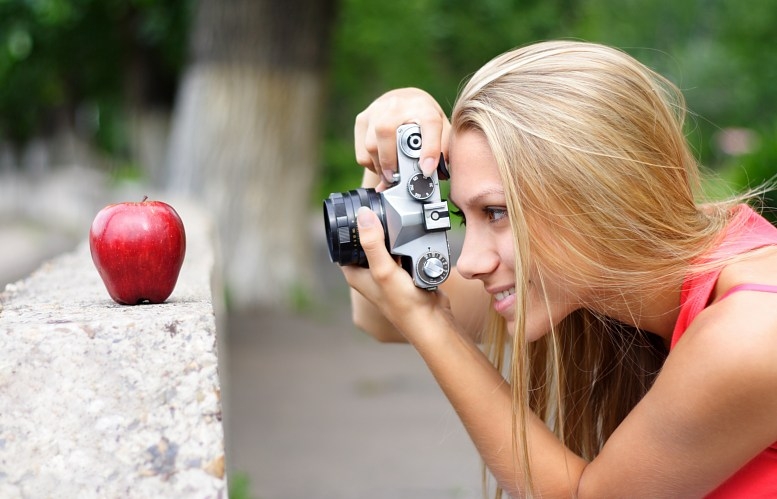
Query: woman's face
488	253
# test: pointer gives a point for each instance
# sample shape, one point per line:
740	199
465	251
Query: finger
370	180
371	131
372	240
361	280
432	129
446	136
395	108
375	130
386	148
360	131
371	143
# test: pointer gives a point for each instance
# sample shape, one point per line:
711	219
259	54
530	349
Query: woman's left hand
390	288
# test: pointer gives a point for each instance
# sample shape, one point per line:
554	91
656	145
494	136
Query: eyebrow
480	195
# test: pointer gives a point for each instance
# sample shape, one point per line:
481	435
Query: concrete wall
103	400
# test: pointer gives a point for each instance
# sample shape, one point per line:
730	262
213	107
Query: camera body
415	218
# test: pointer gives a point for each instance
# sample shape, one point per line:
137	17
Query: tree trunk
246	135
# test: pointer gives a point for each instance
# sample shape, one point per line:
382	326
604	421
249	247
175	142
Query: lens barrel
342	235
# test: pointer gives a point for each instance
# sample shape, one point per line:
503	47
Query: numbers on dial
420	187
433	268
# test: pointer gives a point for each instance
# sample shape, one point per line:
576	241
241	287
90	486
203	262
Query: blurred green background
261	95
720	52
77	60
91	68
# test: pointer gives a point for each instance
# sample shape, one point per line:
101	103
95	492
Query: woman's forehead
474	172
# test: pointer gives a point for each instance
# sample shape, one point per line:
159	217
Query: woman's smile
504	302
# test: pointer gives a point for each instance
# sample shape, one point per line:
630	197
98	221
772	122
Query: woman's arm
469	305
709	412
476	390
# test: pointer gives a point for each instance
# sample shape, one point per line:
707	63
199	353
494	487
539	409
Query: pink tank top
747	231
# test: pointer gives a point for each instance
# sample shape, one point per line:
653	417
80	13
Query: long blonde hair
590	147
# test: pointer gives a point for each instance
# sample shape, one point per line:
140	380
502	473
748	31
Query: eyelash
490	212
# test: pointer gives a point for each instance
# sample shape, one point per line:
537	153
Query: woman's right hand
376	150
376	127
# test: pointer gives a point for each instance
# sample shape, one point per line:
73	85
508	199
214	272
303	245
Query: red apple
138	249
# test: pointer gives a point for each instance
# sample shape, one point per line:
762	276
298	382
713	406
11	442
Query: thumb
371	236
370	230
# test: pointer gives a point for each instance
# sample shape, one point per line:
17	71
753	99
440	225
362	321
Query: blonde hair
590	147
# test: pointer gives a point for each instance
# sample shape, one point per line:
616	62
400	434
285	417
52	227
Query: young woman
632	328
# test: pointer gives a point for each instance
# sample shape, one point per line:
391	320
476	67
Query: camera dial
413	215
410	142
433	268
420	187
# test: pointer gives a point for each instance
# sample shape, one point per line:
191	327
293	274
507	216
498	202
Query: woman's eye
495	214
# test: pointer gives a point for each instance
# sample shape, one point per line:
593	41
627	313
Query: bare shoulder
744	319
711	408
757	266
738	333
744	322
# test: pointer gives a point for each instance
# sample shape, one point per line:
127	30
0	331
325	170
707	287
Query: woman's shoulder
715	392
757	266
729	351
742	316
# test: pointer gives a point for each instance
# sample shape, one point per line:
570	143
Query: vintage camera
414	217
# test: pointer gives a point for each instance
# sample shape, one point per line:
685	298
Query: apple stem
144	199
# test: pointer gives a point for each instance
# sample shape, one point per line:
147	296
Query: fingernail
428	165
388	176
365	217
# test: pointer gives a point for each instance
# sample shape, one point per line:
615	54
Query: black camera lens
342	235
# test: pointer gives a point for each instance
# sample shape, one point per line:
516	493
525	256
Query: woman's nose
477	258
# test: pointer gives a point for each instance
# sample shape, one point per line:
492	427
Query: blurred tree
246	133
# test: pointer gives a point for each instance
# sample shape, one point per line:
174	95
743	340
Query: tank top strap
749	286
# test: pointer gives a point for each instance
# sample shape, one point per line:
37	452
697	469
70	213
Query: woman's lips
504	301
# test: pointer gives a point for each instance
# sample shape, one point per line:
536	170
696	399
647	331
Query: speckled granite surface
103	400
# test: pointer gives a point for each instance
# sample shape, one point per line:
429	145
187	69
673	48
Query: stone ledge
103	400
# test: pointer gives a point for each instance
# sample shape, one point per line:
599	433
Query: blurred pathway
319	410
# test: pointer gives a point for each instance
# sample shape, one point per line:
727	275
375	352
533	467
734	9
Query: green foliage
86	62
126	172
300	298
61	57
756	169
239	486
431	44
718	51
